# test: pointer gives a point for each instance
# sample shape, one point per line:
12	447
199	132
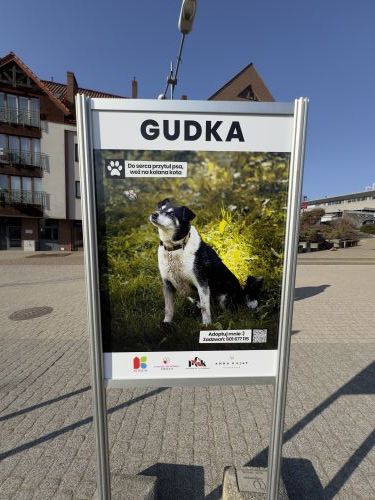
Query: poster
190	207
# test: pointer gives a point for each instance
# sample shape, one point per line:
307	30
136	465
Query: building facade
39	174
360	207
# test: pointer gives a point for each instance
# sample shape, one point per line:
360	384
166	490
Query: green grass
136	310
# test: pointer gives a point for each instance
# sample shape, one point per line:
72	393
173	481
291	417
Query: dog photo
178	256
187	263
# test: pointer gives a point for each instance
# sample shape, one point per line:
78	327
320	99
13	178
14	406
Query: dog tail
252	290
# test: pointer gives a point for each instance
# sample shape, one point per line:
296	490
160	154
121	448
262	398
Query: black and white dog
187	262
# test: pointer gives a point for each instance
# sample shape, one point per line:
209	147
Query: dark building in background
247	85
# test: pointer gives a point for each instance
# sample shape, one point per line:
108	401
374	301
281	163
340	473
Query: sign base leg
248	483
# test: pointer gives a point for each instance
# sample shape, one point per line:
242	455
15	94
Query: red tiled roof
59	91
13	57
56	91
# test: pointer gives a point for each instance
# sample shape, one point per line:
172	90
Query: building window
17	150
49	229
78	189
248	93
4	182
19	110
75	152
17	189
3	148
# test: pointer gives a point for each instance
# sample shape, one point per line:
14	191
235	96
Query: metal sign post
287	298
93	300
132	151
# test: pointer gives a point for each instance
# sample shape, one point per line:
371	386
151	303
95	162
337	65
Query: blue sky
321	49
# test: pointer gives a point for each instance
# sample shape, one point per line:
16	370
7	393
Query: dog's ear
164	202
187	214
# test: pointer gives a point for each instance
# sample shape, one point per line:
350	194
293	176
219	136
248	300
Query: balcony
18	197
15	116
13	157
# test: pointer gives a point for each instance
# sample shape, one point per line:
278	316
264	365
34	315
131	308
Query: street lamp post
185	25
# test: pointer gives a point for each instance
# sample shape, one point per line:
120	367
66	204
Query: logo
140	363
231	362
166	364
115	169
197	363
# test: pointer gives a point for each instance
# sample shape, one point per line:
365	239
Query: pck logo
140	363
196	362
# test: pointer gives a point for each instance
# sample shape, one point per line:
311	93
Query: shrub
341	229
368	228
311	217
310	229
311	235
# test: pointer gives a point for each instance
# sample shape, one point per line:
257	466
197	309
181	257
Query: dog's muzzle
154	217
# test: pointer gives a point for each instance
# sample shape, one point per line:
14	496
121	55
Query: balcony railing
17	157
15	116
16	196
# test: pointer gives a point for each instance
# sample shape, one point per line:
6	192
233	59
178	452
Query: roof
55	91
39	83
244	84
59	91
343	197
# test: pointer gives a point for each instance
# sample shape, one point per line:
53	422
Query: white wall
74	204
54	179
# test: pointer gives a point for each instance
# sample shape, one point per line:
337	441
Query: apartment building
39	174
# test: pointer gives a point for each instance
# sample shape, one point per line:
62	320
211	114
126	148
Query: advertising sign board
190	214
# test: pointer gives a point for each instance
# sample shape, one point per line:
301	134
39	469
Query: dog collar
177	247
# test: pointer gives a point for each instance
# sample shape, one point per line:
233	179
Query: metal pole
286	307
92	292
172	78
178	63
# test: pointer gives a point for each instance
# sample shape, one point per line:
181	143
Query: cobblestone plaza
186	436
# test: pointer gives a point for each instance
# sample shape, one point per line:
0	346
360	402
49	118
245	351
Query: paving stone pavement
185	436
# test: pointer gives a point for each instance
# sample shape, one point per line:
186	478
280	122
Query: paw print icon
115	169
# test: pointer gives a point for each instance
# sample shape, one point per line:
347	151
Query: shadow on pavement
301	480
299	475
305	292
44	403
362	383
340	478
75	425
177	481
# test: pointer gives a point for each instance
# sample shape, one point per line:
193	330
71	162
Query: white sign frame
89	134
